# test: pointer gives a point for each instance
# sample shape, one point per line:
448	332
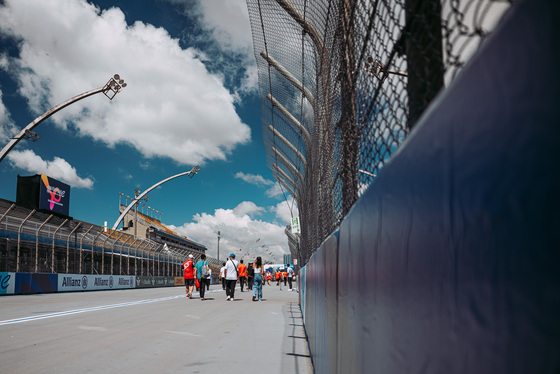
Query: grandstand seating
35	241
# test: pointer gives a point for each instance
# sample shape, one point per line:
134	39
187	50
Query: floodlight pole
249	242
140	196
110	89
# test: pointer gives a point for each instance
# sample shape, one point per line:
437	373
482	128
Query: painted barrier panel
83	282
449	262
323	326
31	283
155	281
7	283
301	279
28	283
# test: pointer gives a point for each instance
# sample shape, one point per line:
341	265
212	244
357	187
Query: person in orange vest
277	276
188	271
268	277
285	276
242	269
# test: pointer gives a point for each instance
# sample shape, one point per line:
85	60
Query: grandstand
32	241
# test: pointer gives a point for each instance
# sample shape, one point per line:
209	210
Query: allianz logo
126	282
75	282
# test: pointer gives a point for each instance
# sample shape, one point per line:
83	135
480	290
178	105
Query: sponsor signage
295	225
142	282
81	282
7	283
54	195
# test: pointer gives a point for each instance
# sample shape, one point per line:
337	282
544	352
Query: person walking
231	275
285	276
188	272
250	275
202	274
209	278
277	276
242	269
258	279
222	275
290	276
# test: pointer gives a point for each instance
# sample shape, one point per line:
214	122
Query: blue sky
191	99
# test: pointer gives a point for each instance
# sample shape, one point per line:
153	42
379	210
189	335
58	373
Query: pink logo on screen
55	192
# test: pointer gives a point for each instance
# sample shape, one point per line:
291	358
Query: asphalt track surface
154	330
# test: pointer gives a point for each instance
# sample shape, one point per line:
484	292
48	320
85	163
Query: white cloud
7	127
173	107
225	28
258	180
229	21
248	208
58	168
276	191
237	230
285	210
255	179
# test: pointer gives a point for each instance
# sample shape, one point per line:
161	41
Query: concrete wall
449	263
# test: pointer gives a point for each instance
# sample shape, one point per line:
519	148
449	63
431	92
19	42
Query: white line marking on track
184	333
70	312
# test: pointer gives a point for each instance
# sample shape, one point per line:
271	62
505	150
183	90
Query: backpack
205	273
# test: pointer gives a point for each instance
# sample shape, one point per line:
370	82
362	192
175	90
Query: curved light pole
249	242
110	89
140	196
253	250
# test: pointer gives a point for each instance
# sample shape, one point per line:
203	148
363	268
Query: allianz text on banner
81	282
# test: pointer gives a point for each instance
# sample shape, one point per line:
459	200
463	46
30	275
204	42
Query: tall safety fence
35	242
342	84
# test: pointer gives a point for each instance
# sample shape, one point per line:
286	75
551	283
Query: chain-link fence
343	82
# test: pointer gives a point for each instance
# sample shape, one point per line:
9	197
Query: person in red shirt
190	273
242	269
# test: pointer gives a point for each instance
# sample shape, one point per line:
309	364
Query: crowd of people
252	276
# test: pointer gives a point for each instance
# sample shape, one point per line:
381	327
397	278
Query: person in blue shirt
201	265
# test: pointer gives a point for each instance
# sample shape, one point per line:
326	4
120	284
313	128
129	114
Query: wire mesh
342	84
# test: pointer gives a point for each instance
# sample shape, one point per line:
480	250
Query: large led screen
54	195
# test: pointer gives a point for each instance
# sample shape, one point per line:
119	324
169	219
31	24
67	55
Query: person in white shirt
223	275
290	276
231	275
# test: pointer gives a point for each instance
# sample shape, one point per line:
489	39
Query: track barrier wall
30	283
449	262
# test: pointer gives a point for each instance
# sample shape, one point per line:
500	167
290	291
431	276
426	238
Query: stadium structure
38	240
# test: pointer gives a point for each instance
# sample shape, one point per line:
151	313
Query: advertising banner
179	281
295	226
7	283
142	282
54	195
81	282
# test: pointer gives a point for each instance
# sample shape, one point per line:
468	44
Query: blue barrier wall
31	283
450	262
